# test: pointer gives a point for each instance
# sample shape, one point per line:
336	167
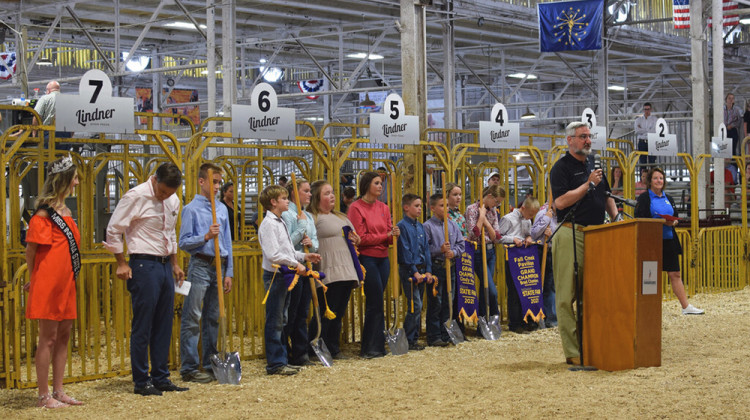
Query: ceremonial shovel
451	327
488	325
226	366
395	337
317	343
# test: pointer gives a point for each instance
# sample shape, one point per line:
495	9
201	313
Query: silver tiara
61	166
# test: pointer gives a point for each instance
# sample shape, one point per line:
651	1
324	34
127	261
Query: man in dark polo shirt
574	179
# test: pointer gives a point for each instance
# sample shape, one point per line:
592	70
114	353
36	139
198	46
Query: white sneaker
692	310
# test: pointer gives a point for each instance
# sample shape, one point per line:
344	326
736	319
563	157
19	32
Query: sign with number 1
721	146
263	119
94	109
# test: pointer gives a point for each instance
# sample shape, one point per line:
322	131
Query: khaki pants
565	286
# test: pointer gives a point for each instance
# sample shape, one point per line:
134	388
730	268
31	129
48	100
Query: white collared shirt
276	243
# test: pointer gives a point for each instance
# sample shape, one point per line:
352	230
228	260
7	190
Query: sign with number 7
94	109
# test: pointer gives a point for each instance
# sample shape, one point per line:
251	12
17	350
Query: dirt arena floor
704	374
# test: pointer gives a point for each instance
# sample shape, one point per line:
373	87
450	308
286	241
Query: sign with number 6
263	119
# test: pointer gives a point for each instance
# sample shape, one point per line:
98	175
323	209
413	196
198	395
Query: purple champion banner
354	253
524	269
466	287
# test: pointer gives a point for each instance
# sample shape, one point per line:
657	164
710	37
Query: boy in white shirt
277	249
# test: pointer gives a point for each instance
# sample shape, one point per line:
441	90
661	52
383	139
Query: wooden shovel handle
217	249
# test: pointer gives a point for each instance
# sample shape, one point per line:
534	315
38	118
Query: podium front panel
621	325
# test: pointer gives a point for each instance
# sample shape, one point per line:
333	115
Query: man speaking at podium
579	193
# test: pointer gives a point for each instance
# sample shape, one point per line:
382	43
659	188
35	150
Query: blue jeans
491	260
548	292
412	291
195	322
295	329
437	306
376	278
152	295
277	306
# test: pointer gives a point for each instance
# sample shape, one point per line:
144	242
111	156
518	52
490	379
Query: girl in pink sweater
372	221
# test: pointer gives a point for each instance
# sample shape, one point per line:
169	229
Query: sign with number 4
498	133
263	119
94	109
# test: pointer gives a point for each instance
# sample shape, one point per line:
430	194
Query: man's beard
583	151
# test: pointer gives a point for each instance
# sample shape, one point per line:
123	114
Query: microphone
625	201
597	165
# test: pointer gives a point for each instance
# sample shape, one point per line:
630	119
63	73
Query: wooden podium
622	294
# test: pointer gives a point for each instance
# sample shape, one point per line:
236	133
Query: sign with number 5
94	109
263	119
393	125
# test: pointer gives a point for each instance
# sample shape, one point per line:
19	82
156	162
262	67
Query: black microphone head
597	161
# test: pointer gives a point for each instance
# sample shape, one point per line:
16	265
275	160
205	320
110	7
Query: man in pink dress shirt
146	216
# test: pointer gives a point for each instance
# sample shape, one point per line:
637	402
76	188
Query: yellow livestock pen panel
714	259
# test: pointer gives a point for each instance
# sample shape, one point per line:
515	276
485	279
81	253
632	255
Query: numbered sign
662	143
263	119
498	133
393	126
589	117
94	109
721	146
598	133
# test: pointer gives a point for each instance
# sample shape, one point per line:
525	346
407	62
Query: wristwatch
592	185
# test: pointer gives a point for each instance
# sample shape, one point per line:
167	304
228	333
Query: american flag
681	14
729	19
7	65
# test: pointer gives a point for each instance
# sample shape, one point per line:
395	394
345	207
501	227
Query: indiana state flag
570	25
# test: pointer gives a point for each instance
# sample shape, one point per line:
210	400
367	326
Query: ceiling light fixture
363	55
745	21
367	103
522	76
272	75
528	115
183	25
44	62
136	64
616	88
